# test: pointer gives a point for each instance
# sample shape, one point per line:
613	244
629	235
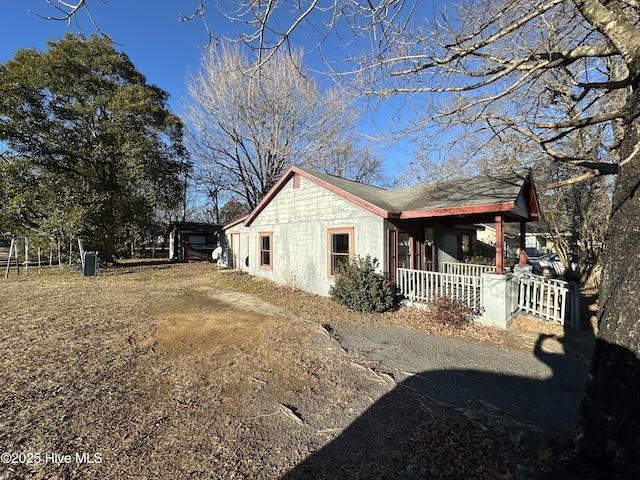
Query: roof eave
267	198
534	204
348	196
455	211
234	223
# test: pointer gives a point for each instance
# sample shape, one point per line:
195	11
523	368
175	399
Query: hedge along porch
309	222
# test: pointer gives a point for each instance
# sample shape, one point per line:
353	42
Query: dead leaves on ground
80	374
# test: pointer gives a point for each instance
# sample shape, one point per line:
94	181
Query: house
537	239
310	222
193	240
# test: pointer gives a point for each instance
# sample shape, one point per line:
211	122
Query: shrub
360	288
451	312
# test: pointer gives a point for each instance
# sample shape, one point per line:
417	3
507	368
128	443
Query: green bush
360	288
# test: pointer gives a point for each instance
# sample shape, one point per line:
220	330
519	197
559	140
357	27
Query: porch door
430	261
404	250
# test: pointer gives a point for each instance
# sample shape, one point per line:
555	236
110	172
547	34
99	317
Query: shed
192	240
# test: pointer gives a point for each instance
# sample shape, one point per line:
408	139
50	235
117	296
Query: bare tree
577	215
248	126
349	160
481	53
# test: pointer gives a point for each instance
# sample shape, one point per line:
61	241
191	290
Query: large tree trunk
608	433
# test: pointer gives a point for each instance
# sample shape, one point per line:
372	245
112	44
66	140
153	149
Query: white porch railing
551	299
425	287
467	268
554	300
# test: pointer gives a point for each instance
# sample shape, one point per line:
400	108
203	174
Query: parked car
550	266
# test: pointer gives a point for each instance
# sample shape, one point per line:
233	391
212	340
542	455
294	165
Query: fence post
499	299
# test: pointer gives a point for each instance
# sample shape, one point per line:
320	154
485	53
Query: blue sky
164	49
149	32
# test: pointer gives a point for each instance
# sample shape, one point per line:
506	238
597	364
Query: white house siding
299	219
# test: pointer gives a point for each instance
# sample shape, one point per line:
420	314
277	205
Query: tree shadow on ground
457	424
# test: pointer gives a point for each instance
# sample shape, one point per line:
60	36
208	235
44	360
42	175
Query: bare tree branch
582	122
70	11
248	126
571	181
201	13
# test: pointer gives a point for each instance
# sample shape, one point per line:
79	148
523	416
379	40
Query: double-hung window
265	249
340	248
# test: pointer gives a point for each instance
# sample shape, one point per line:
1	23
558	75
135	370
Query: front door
429	259
398	252
404	250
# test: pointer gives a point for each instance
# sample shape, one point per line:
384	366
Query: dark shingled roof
195	227
461	192
456	193
482	195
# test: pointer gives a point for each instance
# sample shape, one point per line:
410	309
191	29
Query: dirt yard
183	372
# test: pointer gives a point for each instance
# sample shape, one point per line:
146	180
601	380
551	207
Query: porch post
523	243
499	244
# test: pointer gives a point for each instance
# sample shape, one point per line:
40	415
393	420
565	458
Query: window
265	249
340	248
464	246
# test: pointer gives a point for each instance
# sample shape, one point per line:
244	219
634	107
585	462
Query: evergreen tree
91	148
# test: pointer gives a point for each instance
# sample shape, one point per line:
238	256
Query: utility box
90	264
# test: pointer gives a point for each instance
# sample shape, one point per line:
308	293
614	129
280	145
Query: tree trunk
108	248
608	433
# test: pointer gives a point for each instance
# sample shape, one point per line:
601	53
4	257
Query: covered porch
435	245
428	247
431	246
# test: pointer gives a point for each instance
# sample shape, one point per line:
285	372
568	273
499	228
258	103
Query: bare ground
183	372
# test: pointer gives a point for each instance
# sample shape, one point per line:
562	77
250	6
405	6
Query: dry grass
183	372
522	334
